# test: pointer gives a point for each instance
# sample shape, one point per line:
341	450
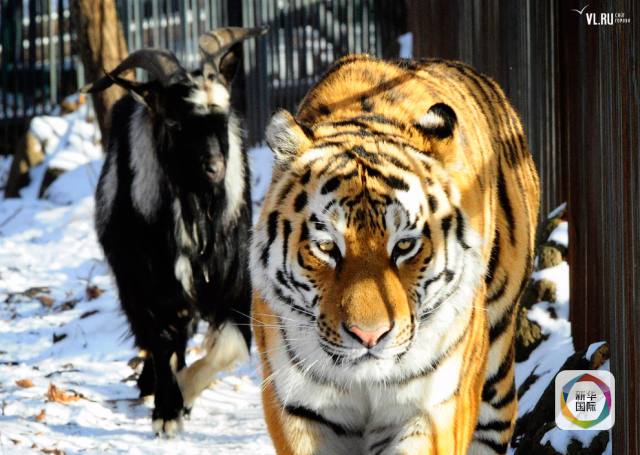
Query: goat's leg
168	357
147	378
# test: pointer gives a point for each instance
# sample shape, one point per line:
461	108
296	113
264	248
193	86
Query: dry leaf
32	292
93	292
53	451
60	396
68	305
24	383
45	300
40	417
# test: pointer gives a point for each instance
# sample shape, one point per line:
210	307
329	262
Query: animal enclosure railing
39	64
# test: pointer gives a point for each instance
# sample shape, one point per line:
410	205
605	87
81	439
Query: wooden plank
601	137
576	88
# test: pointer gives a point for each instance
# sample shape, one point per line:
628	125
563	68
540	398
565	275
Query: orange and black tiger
392	249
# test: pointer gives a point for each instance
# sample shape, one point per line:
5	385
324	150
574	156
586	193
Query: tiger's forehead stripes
374	215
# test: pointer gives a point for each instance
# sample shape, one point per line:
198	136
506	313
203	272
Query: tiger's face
362	252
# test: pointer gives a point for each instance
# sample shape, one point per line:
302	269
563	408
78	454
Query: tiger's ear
439	122
286	137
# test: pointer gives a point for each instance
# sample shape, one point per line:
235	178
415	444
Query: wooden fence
576	88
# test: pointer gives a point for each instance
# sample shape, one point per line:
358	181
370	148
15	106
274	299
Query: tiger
391	251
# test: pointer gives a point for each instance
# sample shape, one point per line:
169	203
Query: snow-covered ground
66	364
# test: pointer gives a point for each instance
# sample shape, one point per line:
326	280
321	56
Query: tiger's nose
367	336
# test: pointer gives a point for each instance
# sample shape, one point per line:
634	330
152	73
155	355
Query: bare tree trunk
102	46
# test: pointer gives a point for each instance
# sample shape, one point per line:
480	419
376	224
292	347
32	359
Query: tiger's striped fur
404	200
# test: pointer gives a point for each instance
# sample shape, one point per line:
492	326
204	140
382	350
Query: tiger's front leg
291	435
437	432
414	437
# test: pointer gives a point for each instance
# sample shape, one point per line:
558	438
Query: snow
560	276
557	211
69	141
406	45
76	184
560	439
560	234
260	162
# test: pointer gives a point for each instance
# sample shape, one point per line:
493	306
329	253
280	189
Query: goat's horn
161	64
215	42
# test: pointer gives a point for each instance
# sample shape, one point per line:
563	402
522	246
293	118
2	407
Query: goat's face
195	126
190	111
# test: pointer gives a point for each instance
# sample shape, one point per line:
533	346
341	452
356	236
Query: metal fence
39	65
305	37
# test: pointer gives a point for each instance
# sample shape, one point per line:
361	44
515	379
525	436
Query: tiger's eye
326	246
404	245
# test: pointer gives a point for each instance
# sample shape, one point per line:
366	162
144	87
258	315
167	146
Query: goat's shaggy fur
176	234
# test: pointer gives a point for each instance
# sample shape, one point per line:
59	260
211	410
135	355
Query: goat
173	216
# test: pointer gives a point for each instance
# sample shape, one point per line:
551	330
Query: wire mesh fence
39	64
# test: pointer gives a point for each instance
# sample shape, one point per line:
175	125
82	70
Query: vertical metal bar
20	60
184	32
30	69
350	27
60	52
250	18
306	42
137	17
8	54
169	29
39	83
196	30
294	45
316	37
129	25
155	10
137	37
322	32
291	68
207	14
53	80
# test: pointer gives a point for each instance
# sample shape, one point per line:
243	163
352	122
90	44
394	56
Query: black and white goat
173	214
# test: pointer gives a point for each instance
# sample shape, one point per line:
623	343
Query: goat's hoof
167	428
186	413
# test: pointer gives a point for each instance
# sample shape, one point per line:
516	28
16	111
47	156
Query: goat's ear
230	61
439	122
286	137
